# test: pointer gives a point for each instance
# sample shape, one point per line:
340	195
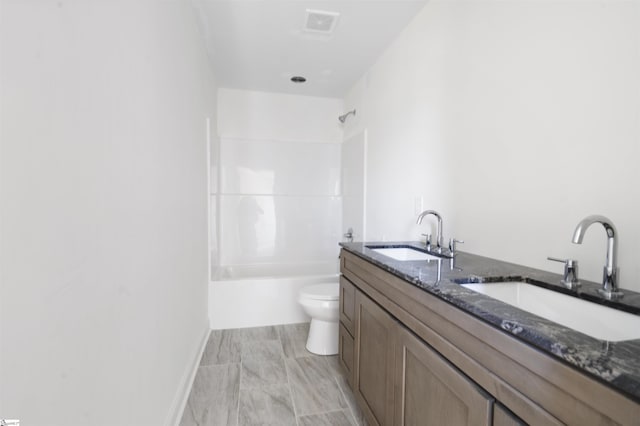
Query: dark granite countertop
616	364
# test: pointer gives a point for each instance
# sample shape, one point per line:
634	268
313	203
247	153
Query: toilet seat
328	291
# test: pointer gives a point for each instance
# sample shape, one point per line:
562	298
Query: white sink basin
589	318
404	253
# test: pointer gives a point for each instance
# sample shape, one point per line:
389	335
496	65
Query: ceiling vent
320	21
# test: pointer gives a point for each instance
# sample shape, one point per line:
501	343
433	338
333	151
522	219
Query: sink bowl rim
548	289
406	246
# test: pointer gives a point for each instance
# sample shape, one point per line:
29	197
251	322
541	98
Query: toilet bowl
320	302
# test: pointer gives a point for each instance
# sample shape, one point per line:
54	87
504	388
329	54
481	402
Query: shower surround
276	205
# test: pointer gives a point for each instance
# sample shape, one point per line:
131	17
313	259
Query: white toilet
320	302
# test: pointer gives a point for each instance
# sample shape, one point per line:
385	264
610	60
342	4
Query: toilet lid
329	291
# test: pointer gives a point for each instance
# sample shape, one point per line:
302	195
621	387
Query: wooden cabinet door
431	391
504	417
347	304
345	353
374	363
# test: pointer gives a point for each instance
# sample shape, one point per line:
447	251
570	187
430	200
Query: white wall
103	243
515	120
249	114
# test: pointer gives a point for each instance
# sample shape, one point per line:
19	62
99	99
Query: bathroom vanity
420	349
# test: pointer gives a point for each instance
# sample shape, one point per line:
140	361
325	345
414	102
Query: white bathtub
245	297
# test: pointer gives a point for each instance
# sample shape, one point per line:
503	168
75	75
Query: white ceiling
261	44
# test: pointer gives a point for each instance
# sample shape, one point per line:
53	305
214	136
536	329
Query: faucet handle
452	245
427	241
570	278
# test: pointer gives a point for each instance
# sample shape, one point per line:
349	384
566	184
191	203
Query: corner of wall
181	397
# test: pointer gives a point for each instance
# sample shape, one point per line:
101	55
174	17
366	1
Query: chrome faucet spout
439	232
610	273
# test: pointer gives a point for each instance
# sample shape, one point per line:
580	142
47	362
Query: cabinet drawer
347	304
346	354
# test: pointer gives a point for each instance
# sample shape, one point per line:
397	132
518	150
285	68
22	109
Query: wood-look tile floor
265	376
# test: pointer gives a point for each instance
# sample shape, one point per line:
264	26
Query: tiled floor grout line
286	371
239	393
190	408
344	396
335	379
293	403
349	408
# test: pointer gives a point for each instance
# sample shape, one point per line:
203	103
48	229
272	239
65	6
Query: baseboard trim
182	395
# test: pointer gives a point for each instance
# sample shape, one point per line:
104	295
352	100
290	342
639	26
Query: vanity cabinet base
441	355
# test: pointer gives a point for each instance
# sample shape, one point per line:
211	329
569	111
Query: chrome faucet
439	232
609	288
